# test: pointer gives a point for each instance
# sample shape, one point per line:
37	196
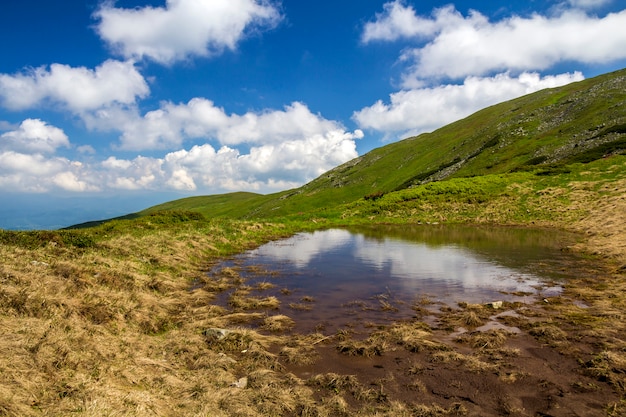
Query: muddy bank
554	356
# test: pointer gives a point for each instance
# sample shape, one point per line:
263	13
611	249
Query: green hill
541	132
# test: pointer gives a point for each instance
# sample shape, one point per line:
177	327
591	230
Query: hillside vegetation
121	318
542	133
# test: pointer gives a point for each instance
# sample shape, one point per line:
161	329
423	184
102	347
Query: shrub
374	196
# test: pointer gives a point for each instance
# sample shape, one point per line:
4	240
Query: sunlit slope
233	205
546	130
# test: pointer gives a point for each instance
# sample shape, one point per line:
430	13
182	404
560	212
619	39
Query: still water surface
340	277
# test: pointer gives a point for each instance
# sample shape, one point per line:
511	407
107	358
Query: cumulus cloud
15	163
71	181
419	110
40	173
182	28
77	89
172	124
266	167
459	46
397	21
287	148
139	173
202	168
34	135
28	163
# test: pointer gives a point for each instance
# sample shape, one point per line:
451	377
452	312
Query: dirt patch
522	377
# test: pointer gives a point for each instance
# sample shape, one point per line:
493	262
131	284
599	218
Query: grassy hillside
541	132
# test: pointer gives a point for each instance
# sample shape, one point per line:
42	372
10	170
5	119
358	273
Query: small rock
216	334
495	304
240	383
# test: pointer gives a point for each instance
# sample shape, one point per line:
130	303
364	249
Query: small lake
329	279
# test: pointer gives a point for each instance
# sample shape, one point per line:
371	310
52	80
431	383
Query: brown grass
116	330
493	339
300	306
278	323
239	301
470	316
129	328
472	363
414	337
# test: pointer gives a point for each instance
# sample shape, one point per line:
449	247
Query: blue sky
110	107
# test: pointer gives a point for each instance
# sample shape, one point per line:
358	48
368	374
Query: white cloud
269	167
170	125
70	181
76	89
397	21
460	46
12	163
182	28
139	173
474	46
307	146
419	110
39	173
34	135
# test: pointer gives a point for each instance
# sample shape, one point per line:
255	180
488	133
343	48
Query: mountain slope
579	122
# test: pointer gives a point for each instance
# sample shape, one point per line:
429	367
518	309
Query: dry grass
263	286
300	355
366	348
470	316
278	323
344	385
300	306
471	363
549	333
238	301
414	337
604	225
609	366
115	330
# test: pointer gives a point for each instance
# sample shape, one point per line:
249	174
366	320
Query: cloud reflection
448	265
302	248
409	265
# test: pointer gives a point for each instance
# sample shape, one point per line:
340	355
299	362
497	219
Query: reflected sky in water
348	273
335	257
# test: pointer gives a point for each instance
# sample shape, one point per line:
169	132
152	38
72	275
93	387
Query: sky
109	107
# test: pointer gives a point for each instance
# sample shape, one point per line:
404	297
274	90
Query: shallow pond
351	277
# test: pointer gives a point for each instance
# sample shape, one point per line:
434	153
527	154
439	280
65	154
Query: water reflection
303	248
340	268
